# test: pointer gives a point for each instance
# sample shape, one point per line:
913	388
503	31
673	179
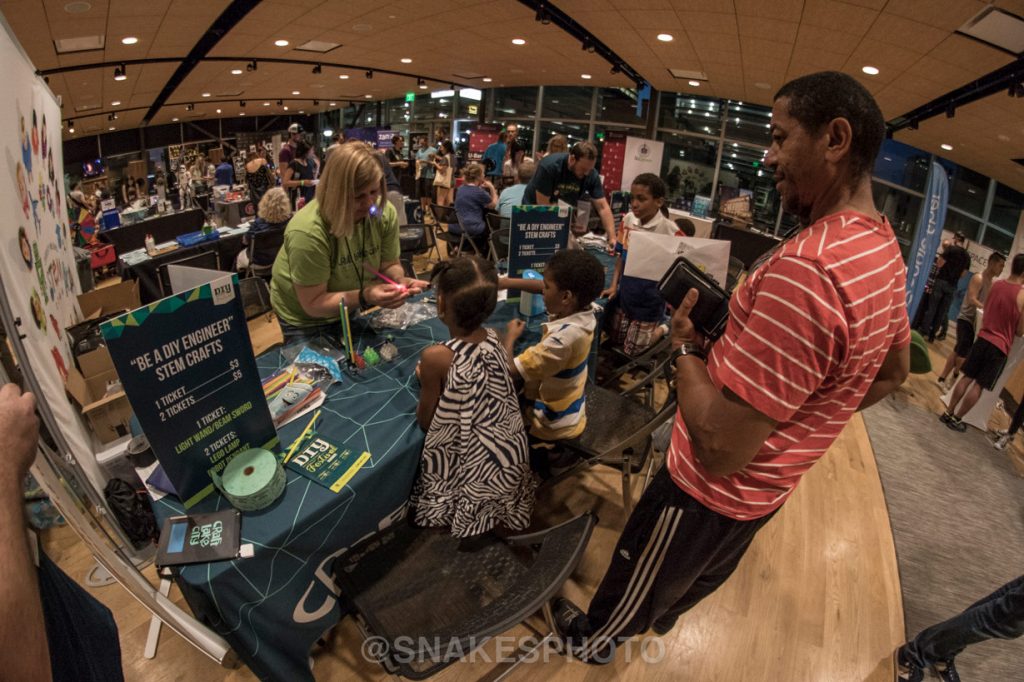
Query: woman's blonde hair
558	143
274	206
349	168
474	172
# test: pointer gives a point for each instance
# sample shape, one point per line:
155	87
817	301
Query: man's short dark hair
396	138
818	98
997	256
960	237
469	285
579	273
1017	266
583	150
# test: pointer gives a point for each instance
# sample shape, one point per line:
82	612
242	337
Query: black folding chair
207	259
266	242
498	240
431	601
447	215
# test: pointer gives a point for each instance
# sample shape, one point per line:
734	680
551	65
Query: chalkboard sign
537	233
187	367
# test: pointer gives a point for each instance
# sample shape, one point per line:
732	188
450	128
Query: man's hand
683	330
609	293
413	285
20	427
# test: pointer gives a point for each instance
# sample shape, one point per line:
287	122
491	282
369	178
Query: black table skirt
227	248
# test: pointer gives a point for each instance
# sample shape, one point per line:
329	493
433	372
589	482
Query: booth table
273	606
144	268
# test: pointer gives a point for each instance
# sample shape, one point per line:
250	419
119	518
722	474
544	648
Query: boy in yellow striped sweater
554	371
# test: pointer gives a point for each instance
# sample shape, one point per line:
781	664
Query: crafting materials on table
251	481
346	333
384	277
302	437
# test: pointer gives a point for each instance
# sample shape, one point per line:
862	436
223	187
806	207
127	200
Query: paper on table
651	255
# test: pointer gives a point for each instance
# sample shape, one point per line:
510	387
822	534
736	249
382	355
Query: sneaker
1002	441
956	424
945	417
662	626
567	616
904	670
946	671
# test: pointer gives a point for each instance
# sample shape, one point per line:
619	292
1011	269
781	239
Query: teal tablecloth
273	607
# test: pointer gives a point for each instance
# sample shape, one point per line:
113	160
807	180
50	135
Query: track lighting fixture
120	73
71	126
369	73
421	83
950	111
616	69
316	103
241	103
280	102
190	107
251	66
317	70
543	16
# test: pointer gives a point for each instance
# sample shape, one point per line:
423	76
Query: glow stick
382	276
302	437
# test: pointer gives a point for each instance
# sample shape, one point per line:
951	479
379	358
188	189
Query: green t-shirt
311	255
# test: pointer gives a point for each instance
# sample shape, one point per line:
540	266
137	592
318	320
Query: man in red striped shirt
818	331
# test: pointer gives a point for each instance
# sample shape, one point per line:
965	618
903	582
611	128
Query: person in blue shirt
513	196
225	172
425	174
570	177
494	158
472	202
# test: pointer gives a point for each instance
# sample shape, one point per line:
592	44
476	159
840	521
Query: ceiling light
343	76
175	119
295	92
368	96
281	43
518	41
206	94
129	40
487	80
112	128
585	76
334	104
695	84
870	70
422	84
116	103
406	60
665	37
761	85
947	147
236	72
241	113
218	111
120	73
286	108
71	126
266	104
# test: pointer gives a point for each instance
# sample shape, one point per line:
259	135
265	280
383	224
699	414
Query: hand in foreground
414	286
20	427
386	295
683	330
609	293
514	329
611	246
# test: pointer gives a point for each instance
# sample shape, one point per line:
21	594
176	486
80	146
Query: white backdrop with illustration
37	263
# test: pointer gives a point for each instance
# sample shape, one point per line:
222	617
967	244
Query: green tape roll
252	480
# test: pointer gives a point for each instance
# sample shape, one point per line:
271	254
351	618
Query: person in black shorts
1001	322
966	321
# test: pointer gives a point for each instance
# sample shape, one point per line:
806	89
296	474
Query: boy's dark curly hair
579	273
469	285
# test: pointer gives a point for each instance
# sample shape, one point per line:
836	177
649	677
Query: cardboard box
107	415
113	299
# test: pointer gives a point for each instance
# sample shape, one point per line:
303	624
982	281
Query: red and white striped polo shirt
806	336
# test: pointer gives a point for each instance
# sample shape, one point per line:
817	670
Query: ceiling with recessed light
738	49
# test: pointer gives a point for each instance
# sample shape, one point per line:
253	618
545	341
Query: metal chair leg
627	479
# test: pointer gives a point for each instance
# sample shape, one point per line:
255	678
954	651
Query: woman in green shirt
331	245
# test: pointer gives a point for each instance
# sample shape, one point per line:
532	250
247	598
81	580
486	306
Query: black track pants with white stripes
672	553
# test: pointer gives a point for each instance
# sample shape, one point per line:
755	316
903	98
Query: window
902	209
748	123
692	114
1006	208
397	112
574	132
618	105
968	190
994	238
958	222
516	103
902	165
426	108
567	102
688	167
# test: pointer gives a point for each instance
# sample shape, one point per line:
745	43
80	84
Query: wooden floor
816	598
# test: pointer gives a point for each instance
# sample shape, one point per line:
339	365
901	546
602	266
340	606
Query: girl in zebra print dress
474	471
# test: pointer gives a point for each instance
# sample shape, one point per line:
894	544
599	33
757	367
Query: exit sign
410	97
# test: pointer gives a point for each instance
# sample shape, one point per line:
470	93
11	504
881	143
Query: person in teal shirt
513	196
331	246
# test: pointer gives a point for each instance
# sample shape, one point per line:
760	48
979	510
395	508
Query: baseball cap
295	128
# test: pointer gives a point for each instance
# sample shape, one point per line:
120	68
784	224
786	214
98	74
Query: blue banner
927	236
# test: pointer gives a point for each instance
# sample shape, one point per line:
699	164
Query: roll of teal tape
252	480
